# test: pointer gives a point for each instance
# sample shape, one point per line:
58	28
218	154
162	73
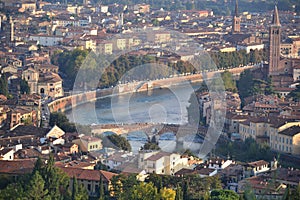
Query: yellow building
286	140
88	44
88	143
281	134
158	36
105	47
119	44
254	127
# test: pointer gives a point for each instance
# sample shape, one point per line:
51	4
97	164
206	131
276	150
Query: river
167	105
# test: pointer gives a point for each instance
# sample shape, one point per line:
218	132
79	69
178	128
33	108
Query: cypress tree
179	194
101	189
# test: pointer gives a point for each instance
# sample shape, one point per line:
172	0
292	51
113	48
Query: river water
167	105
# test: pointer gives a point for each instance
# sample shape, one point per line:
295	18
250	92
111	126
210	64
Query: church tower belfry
11	31
274	44
236	21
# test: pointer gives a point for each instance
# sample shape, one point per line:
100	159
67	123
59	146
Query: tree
69	63
186	195
167	194
3	85
143	191
38	165
155	22
224	195
13	191
24	87
150	146
245	84
45	182
228	81
120	142
100	166
36	188
61	120
117	186
295	94
155	179
79	192
74	188
55	180
179	194
101	189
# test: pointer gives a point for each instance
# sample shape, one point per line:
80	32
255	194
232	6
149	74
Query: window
89	187
287	140
291	141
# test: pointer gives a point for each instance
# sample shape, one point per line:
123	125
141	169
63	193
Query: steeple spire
276	17
236	11
236	21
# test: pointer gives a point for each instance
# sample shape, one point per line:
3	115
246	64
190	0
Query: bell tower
274	44
236	21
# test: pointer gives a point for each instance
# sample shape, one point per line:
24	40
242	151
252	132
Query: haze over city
149	100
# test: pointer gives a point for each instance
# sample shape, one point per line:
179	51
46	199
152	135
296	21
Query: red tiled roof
88	174
158	156
258	163
23	166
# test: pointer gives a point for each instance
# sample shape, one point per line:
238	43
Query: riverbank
69	102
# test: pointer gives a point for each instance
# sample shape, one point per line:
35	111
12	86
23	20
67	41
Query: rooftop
291	131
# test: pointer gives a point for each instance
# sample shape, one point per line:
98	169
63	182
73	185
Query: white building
117	159
6	154
161	162
218	163
257	167
46	40
249	47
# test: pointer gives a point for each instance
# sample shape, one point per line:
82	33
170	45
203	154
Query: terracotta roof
185	171
258	163
22	130
23	166
75	164
88	174
158	156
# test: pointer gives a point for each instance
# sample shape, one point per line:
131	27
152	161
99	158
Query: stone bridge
148	128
